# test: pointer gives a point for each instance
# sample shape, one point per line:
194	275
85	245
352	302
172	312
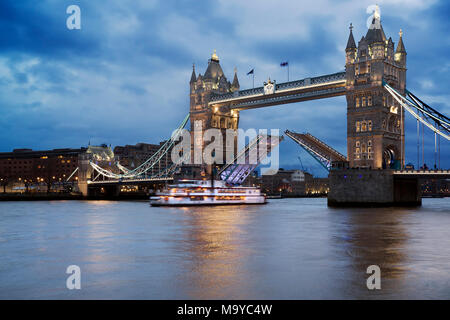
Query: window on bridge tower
384	101
369	125
363	126
357	126
356	69
369	101
368	68
363	102
357	153
363	148
357	102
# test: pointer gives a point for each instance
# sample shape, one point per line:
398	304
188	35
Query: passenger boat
206	192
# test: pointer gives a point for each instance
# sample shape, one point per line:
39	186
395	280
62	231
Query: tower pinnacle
193	77
235	85
214	56
400	46
351	41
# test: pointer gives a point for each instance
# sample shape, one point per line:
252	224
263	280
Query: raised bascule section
249	158
318	149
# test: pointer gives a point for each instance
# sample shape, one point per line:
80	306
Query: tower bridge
374	83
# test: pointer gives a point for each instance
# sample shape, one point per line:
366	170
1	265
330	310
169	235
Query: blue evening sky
124	77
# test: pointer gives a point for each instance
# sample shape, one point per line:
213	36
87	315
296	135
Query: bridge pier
367	187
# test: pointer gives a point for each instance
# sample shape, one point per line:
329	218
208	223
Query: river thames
287	249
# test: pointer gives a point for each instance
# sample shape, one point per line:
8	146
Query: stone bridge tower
375	129
202	88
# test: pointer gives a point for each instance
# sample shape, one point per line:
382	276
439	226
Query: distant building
435	187
292	182
132	156
317	186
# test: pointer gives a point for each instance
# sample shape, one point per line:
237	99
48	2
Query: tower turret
235	85
350	50
400	52
193	77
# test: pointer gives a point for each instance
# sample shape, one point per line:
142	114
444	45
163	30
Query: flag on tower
251	72
284	64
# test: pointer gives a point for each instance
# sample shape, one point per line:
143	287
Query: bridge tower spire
375	129
350	50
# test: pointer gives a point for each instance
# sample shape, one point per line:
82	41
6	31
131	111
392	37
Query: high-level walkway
330	85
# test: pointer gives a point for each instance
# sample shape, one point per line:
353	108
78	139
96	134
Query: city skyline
107	82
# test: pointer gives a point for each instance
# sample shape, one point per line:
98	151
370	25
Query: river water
287	249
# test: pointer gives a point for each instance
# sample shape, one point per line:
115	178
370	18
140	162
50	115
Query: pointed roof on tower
400	46
351	41
376	32
193	77
214	70
235	83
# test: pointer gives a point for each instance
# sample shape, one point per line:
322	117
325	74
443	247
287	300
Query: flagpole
253	74
285	64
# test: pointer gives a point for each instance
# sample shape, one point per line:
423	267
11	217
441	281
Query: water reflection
214	252
373	237
288	249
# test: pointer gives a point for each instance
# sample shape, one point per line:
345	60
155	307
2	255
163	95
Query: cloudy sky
123	78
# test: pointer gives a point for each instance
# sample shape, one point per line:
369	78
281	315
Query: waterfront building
48	170
25	167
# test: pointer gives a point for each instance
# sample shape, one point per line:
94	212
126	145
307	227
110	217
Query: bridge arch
390	157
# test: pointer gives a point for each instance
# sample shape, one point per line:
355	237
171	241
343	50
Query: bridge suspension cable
437	122
146	165
71	175
249	158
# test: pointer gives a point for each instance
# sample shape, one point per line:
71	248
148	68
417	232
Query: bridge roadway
128	181
326	86
425	174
